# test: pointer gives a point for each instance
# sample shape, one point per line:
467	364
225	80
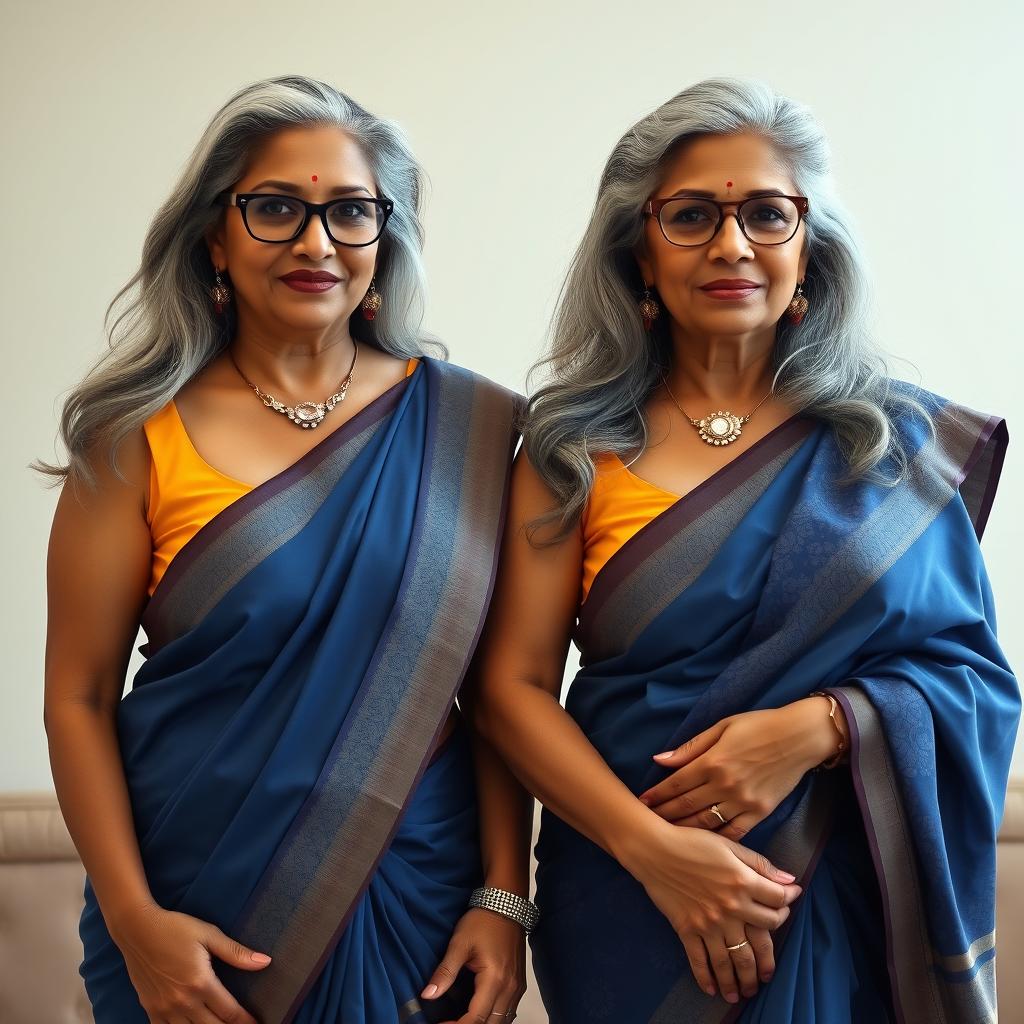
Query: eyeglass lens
351	221
768	220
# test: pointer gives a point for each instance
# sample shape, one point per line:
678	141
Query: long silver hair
602	366
166	329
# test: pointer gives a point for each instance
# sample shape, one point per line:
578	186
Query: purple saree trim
196	579
920	992
304	902
980	477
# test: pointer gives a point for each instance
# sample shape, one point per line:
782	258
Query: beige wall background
513	110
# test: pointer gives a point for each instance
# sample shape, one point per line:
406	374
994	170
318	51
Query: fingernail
646	801
667	753
429	991
732	998
787	876
260	958
710	990
766	977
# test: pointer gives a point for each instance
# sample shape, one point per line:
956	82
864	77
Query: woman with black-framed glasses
301	507
773	792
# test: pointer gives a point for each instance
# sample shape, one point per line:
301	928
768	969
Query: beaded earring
797	308
220	293
649	309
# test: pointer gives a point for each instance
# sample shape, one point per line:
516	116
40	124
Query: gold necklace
717	428
304	414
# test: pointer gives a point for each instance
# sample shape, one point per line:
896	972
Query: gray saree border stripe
303	905
796	847
674	549
965	961
920	991
255	525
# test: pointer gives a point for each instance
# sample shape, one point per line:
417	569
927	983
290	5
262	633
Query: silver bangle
508	904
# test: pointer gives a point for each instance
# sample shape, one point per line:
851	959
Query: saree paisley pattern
304	651
775	578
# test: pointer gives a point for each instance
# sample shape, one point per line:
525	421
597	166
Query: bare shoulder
98	561
531	508
119	478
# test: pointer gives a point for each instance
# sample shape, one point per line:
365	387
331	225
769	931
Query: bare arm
97	571
522	661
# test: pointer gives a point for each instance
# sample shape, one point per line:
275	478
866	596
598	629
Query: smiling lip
310	281
735	288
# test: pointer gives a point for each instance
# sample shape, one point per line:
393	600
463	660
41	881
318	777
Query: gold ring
718	814
739	945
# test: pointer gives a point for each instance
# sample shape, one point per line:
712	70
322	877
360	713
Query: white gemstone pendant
308	414
720	428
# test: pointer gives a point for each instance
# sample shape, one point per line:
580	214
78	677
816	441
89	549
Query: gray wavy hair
602	365
167	330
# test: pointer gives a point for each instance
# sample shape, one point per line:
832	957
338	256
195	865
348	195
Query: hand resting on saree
169	959
715	893
745	765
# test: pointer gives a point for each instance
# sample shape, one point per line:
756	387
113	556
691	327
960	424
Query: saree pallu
304	651
771	580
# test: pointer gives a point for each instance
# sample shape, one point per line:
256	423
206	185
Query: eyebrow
698	194
287	186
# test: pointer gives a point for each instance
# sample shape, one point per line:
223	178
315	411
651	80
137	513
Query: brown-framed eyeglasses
764	220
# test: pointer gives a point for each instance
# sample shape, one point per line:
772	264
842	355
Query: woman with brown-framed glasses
301	506
774	790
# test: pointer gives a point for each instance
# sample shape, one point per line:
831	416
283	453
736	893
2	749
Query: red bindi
728	184
314	177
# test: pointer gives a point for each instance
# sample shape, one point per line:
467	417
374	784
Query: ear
214	238
643	261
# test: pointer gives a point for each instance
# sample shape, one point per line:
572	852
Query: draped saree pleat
773	579
304	651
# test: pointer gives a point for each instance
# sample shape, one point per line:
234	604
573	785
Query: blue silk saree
771	580
304	651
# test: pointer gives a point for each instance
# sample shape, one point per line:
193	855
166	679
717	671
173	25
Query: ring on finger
714	809
739	945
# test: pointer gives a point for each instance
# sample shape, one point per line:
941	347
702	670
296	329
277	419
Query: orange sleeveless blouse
619	506
185	491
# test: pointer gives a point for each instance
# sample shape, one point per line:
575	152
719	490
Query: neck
723	370
304	364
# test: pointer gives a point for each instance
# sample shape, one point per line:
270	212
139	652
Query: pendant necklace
717	428
304	414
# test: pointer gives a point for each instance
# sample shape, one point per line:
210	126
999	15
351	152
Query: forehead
749	161
296	154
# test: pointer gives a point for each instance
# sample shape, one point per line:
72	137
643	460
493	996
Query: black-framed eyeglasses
350	220
764	220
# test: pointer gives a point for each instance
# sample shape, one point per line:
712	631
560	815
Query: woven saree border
926	986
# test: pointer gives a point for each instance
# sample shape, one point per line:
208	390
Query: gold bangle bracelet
831	762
